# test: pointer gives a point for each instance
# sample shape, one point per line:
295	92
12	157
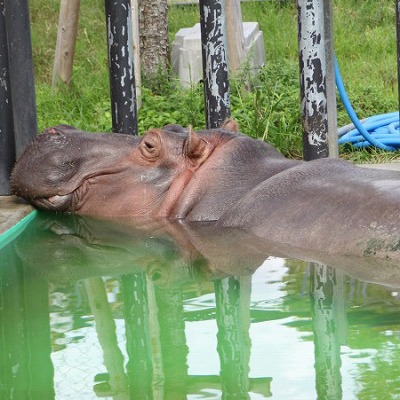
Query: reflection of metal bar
120	59
156	356
215	61
173	342
328	313
37	335
106	333
232	297
136	313
317	79
25	341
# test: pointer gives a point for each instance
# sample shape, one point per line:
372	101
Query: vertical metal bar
215	61
121	65
317	79
22	81
398	49
7	142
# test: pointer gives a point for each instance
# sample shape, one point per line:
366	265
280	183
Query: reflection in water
117	384
233	319
328	314
26	370
138	334
152	290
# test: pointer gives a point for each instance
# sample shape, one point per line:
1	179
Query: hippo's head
110	174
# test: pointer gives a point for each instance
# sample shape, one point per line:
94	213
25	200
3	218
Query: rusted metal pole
215	61
121	65
317	79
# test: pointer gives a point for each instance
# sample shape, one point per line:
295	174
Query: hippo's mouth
54	203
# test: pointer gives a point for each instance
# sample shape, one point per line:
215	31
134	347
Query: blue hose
381	131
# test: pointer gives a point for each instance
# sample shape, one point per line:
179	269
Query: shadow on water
154	293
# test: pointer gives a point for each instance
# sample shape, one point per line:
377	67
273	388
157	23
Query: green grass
365	45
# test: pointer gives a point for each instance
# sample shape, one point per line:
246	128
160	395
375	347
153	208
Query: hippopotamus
171	172
215	175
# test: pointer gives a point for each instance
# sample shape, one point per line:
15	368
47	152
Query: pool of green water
114	310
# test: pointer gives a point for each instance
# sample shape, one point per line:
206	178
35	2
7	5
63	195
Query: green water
102	309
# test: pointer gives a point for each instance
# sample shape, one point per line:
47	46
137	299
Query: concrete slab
186	57
395	165
12	210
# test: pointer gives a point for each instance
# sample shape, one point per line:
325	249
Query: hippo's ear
230	125
196	148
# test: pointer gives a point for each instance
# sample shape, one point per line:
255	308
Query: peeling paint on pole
317	82
121	65
215	61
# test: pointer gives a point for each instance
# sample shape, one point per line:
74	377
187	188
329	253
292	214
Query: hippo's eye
150	145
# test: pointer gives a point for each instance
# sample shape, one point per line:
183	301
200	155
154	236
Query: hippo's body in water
215	175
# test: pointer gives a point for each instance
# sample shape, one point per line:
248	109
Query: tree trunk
153	31
66	38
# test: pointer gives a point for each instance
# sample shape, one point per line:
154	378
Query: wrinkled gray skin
325	205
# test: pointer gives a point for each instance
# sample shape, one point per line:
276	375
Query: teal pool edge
10	234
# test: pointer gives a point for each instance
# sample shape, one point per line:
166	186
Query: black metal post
121	65
7	142
18	124
22	80
317	79
215	61
398	49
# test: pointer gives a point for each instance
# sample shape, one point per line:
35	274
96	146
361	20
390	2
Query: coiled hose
381	131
